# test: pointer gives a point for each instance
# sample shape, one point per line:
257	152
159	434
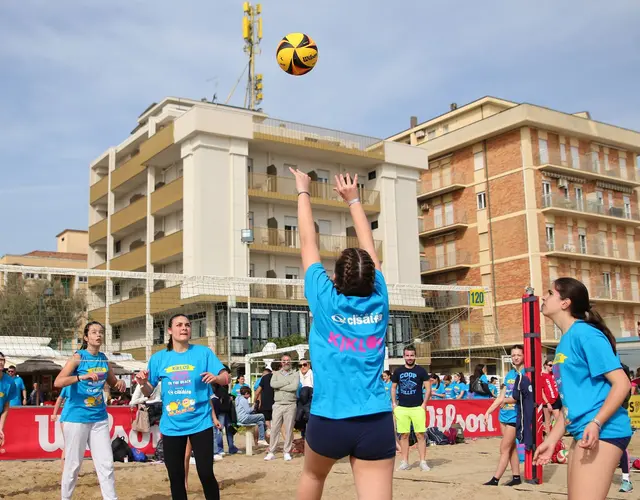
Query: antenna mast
252	34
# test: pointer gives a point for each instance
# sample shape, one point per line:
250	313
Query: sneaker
404	465
270	456
514	482
222	453
424	466
217	457
262	442
626	487
287	457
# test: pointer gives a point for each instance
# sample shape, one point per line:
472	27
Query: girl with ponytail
592	386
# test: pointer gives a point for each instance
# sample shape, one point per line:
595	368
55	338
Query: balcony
167	198
98	232
465	335
270	188
452	261
439	184
130	261
282	241
136	165
129	215
271	294
432	226
590	249
589	167
589	210
98	190
167	249
322	139
442	301
606	294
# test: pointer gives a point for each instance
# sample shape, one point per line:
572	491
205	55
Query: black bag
159	456
480	387
435	435
121	450
155	412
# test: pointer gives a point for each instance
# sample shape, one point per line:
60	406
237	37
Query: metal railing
445	260
604	292
588	207
591	246
327	243
319	190
590	163
440	221
437	180
318	137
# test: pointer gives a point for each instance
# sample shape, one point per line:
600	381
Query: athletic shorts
405	416
556	405
510	424
621	443
267	415
367	438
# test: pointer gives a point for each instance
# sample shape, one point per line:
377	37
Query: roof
71	231
56	255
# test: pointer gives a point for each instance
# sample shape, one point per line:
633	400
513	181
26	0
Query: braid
355	273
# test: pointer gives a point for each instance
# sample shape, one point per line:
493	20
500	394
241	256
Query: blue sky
76	74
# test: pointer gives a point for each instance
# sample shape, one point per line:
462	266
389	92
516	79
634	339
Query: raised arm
306	226
348	189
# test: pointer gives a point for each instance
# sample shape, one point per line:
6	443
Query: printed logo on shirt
180	372
408	386
344	343
1	394
92	401
559	358
181	406
357	319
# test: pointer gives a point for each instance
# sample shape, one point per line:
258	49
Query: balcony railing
590	164
605	293
319	138
440	183
433	224
592	247
588	207
271	186
463	335
457	259
279	292
287	241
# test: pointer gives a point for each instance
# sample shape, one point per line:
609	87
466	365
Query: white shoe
287	457
424	466
262	442
270	456
222	453
404	466
217	457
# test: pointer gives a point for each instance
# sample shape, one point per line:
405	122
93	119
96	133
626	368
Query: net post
532	358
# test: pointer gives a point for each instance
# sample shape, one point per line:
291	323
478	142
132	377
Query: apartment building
517	195
205	189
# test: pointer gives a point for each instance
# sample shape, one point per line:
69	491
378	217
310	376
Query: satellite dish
269	347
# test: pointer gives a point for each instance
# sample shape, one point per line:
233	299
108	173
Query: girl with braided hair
350	411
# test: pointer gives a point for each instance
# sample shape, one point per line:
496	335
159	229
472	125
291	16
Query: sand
457	472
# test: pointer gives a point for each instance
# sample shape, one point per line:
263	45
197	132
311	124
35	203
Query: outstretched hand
303	181
347	188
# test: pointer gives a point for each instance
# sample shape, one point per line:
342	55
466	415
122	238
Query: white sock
625	477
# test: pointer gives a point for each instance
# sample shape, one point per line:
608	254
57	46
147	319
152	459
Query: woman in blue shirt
186	372
449	387
592	386
460	387
506	403
386	378
7	393
480	375
240	382
347	346
85	412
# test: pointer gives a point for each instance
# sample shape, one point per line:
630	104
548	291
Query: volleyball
297	54
562	456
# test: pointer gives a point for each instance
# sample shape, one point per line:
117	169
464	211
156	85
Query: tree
41	308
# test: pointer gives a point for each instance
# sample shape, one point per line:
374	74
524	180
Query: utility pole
252	34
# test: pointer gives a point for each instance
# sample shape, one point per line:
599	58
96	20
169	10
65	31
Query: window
374	225
437	216
448	213
115	330
158	332
250	220
324	226
606	284
579	199
372	175
250	165
482	200
623	167
610	198
291	231
546	194
586	279
631	247
606	162
565	190
198	324
252	270
292	273
575	157
117	247
431	134
627	207
551	237
570	238
83	279
445	128
595	161
563	153
116	289
618	285
600	198
582	240
323	175
544	151
478	161
635	293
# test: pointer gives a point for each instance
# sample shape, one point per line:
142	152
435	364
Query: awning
39	365
128	366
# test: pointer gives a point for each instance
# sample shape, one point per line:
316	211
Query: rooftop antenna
215	91
252	35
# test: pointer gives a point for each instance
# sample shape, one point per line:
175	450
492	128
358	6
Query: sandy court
458	471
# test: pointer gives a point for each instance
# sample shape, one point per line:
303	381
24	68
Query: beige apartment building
518	195
176	195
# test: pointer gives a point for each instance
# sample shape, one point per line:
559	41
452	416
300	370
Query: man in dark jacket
225	410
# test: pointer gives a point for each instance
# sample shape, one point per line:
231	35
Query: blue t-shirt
437	392
185	397
494	390
458	388
64	393
7	390
235	391
347	346
583	357
449	391
257	384
508	411
85	401
387	389
17	399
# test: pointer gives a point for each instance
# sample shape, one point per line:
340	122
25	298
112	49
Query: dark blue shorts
367	438
621	443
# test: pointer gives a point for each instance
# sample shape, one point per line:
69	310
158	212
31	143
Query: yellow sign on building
476	298
634	411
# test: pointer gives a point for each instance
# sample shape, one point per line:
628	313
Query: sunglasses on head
304	364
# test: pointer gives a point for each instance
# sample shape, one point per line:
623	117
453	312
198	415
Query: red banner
30	433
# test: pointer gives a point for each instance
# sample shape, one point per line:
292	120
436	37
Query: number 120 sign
476	298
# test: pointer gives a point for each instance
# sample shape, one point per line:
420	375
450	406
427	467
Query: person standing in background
7	391
20	398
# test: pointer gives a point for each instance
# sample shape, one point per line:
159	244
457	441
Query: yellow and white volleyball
297	54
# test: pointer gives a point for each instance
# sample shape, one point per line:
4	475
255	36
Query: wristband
597	422
355	200
304	192
78	377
